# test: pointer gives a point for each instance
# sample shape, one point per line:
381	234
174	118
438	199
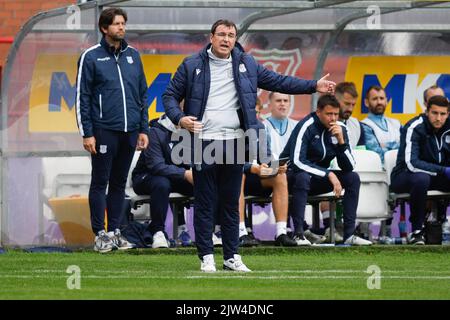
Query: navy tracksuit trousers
159	189
417	185
110	166
217	188
302	184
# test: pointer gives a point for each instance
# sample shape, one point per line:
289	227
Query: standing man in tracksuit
219	87
112	118
315	141
423	161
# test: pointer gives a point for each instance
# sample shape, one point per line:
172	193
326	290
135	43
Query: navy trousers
159	189
302	184
216	189
417	185
110	166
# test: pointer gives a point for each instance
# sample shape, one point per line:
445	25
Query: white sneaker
119	240
103	242
235	264
357	241
337	236
301	240
314	238
208	264
217	239
159	240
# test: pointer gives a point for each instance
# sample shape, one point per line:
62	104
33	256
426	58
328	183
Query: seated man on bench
156	175
423	161
315	141
261	180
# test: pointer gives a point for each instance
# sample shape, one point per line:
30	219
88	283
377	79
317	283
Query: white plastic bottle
446	233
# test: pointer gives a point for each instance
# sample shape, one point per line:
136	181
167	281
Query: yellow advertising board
404	78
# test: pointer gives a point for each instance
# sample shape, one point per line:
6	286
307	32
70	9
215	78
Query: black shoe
248	240
283	240
416	237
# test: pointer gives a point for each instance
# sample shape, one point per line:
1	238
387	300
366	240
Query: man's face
279	105
434	92
376	102
437	116
223	41
116	31
328	115
347	103
258	109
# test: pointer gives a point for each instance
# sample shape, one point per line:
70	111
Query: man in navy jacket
423	161
315	141
219	86
157	175
111	112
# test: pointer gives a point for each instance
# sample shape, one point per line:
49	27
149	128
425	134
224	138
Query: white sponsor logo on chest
103	148
130	59
334	140
447	139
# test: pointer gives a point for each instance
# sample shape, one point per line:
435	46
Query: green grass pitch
406	272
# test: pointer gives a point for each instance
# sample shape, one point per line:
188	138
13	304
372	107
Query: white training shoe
357	241
103	242
314	238
217	239
159	240
337	236
119	240
301	240
235	264
208	264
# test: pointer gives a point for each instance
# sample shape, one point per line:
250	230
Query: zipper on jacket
123	94
101	107
323	145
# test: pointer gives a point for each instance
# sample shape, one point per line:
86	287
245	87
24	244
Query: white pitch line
219	276
104	271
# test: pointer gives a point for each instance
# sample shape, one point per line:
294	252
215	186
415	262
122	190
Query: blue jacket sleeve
85	79
155	161
272	81
174	94
344	155
143	96
412	156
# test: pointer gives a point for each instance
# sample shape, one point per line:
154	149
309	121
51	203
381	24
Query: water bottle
385	240
399	240
446	233
402	227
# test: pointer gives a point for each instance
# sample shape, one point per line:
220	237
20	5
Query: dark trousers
110	166
217	188
159	189
417	185
302	184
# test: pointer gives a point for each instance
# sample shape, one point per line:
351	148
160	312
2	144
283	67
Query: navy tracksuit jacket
311	148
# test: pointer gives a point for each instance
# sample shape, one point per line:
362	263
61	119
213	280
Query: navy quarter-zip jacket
111	90
422	149
311	147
